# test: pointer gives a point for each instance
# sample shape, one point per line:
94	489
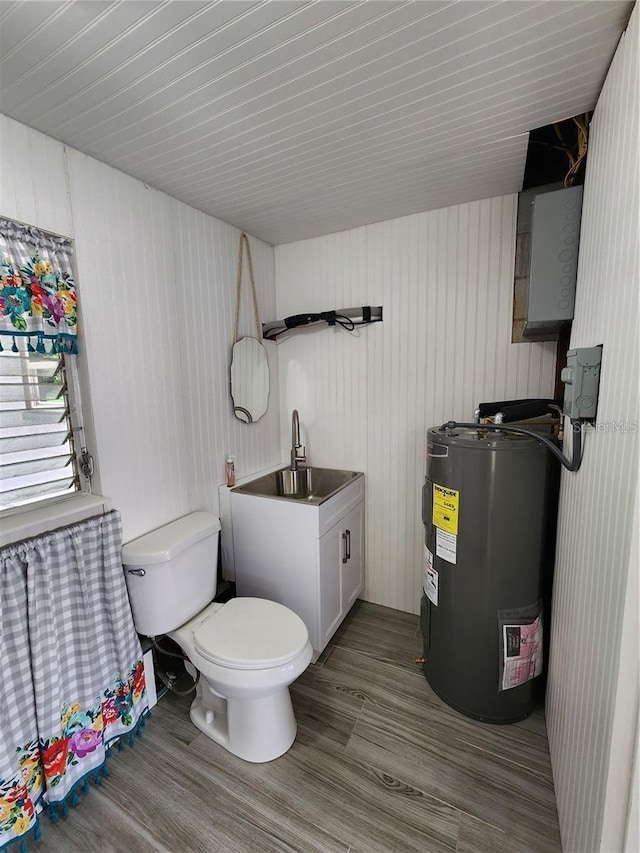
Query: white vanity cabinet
308	557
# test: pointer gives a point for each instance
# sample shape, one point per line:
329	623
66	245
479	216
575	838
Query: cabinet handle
345	553
348	544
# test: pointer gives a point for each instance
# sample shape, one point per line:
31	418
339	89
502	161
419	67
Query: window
40	425
38	456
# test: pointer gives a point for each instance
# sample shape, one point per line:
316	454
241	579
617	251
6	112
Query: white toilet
248	651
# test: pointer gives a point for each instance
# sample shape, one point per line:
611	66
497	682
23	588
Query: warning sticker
429	577
446	545
431	586
521	653
445	508
427	559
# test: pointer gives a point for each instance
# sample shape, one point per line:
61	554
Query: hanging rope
244	241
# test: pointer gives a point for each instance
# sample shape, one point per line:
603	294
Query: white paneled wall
445	280
128	300
592	700
206	251
33	186
156	282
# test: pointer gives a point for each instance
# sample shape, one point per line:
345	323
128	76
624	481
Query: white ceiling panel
483	172
294	119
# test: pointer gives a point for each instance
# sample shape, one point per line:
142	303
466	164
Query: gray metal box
582	382
555	238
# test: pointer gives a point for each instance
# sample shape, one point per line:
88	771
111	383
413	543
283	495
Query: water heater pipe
572	464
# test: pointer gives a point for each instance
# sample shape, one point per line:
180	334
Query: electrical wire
577	152
345	322
572	464
272	331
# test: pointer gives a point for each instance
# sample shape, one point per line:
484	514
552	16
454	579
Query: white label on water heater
427	559
446	545
429	577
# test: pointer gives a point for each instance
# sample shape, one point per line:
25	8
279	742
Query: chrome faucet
295	442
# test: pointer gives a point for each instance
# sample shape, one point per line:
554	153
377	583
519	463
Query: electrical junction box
581	379
555	238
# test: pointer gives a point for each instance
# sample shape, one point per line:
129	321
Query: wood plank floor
380	765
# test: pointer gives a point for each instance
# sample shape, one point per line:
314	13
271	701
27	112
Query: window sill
39	520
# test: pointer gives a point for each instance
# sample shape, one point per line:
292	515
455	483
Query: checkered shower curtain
72	675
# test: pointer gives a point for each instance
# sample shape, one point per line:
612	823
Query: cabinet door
330	605
352	560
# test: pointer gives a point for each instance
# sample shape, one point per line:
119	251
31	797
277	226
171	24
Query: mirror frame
249	404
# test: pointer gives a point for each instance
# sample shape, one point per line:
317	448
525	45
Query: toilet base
256	729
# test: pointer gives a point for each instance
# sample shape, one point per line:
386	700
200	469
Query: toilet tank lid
166	542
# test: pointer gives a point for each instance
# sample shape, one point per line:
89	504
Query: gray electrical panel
581	379
555	238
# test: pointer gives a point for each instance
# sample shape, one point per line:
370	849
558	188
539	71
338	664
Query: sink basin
295	484
308	485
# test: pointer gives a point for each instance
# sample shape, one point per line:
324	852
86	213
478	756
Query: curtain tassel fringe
60	810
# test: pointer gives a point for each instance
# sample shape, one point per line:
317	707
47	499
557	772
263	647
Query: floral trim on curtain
72	670
37	290
80	751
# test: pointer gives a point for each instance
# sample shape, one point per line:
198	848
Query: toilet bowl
247	651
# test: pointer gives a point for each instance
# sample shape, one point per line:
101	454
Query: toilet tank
172	572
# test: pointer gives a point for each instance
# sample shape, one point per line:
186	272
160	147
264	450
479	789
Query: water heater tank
484	508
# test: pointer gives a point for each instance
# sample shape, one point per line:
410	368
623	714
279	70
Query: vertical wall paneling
206	252
33	185
593	681
123	234
156	282
445	279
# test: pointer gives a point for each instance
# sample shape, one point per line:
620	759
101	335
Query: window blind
37	452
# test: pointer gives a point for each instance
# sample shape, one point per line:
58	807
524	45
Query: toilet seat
251	633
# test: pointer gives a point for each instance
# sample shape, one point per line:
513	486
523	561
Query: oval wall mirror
249	380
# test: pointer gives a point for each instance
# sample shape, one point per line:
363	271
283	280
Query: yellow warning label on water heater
445	508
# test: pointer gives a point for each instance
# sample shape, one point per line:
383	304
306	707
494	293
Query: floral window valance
37	290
